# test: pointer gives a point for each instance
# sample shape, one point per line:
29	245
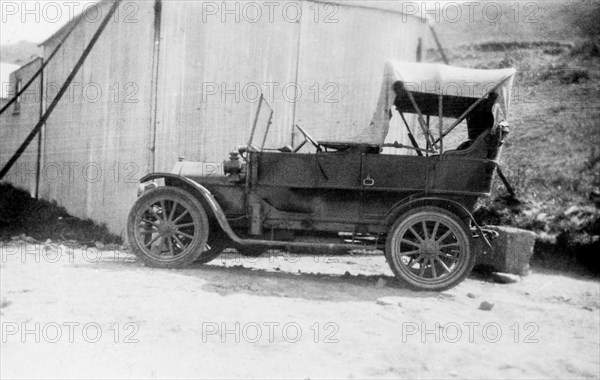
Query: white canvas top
436	79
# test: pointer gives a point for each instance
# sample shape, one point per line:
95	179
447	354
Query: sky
33	21
36	20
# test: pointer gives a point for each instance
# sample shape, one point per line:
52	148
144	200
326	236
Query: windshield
261	125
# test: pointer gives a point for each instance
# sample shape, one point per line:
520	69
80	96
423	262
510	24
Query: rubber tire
193	251
218	242
467	263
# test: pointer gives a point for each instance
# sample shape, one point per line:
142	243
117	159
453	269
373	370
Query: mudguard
209	202
207	197
411	202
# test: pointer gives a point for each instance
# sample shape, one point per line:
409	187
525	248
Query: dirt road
72	313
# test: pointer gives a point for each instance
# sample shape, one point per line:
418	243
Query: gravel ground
81	313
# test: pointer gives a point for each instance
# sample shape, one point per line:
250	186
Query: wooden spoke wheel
167	228
429	248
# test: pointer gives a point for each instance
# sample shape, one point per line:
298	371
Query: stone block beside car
511	250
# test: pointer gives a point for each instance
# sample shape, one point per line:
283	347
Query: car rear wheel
429	248
167	228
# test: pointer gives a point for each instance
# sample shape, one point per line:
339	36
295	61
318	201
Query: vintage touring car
348	194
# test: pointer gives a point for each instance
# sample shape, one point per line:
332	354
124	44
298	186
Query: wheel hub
167	228
429	248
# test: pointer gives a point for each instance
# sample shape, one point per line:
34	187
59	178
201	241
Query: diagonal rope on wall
62	90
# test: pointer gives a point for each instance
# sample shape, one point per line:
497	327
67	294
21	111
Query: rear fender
407	204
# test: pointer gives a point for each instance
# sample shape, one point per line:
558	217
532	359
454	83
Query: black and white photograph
299	189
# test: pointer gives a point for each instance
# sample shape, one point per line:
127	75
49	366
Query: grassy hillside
552	155
518	21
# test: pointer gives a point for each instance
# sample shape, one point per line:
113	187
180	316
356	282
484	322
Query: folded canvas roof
460	88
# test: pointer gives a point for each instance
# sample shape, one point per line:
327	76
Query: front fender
210	203
208	200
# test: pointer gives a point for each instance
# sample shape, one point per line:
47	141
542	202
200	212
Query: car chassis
346	195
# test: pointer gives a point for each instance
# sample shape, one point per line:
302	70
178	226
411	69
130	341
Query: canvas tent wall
165	80
15	125
98	135
323	75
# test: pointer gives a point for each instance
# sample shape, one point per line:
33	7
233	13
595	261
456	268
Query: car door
338	170
395	172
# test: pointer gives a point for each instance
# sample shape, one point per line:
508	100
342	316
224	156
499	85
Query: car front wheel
167	228
429	248
217	243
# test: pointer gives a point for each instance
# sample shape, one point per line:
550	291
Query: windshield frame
262	106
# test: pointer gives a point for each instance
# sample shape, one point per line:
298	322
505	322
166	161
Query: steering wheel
308	138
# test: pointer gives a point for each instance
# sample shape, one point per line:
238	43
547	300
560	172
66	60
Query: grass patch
22	215
499	46
568	239
588	48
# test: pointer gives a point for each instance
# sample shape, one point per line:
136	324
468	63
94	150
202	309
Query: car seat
485	146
